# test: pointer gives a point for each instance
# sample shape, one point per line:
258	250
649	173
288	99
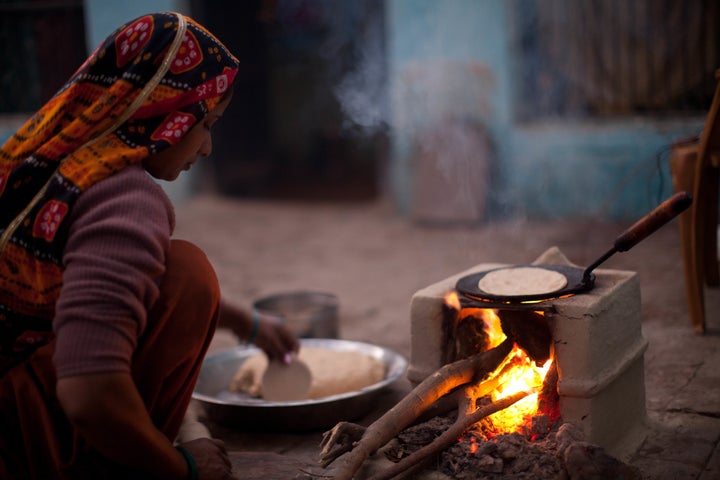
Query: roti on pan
519	281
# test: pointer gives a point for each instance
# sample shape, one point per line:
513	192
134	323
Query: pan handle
661	215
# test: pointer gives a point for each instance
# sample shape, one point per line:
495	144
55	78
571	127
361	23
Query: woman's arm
109	413
268	333
114	261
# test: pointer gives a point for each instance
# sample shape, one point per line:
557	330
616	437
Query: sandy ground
374	260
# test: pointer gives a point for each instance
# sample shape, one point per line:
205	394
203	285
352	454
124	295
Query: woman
104	320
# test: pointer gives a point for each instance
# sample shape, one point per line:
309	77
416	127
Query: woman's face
168	164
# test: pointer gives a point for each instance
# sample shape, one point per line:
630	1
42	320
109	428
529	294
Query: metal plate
468	285
248	413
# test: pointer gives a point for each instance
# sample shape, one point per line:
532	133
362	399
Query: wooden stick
449	436
465	405
412	405
341	439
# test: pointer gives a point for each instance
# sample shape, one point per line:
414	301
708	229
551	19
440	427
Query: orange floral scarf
138	93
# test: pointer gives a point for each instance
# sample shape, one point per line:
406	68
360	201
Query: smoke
361	92
349	40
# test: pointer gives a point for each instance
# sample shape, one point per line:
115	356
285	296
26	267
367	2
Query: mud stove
598	349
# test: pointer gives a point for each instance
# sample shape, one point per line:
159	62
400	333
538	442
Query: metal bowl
249	413
308	314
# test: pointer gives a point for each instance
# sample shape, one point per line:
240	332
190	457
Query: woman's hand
265	331
210	457
275	339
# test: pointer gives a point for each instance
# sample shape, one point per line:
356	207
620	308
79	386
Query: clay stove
599	350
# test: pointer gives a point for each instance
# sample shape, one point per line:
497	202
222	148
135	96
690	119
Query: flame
452	299
517	373
493	327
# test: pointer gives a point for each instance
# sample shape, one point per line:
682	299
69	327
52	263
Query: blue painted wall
103	17
452	58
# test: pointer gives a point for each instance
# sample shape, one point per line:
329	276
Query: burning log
530	331
465	330
341	443
470	336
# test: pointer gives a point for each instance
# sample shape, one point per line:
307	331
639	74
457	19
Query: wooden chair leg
712	275
694	285
682	168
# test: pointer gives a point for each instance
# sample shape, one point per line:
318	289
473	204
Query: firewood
450	435
341	439
415	403
530	331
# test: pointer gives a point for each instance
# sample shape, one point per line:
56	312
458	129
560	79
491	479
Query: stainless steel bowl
247	413
308	314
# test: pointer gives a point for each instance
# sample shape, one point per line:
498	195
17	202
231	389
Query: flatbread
333	372
521	281
286	383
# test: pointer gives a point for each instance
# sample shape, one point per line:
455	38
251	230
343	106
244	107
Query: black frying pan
579	280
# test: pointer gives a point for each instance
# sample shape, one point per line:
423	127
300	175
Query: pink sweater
114	261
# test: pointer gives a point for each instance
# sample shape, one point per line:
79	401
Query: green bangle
192	466
255	327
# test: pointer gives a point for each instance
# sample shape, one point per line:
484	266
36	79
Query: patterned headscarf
138	93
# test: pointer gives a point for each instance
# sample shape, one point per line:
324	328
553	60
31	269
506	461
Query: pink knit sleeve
114	260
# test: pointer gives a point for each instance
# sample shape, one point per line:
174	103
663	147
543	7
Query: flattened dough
286	383
333	372
519	281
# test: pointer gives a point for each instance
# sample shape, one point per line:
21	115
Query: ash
544	451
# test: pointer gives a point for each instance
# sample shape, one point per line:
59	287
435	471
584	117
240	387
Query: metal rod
588	271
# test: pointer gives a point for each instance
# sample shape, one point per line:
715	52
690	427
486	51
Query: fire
518	373
524	376
452	299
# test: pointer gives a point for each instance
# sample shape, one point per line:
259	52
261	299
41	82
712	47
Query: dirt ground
374	260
